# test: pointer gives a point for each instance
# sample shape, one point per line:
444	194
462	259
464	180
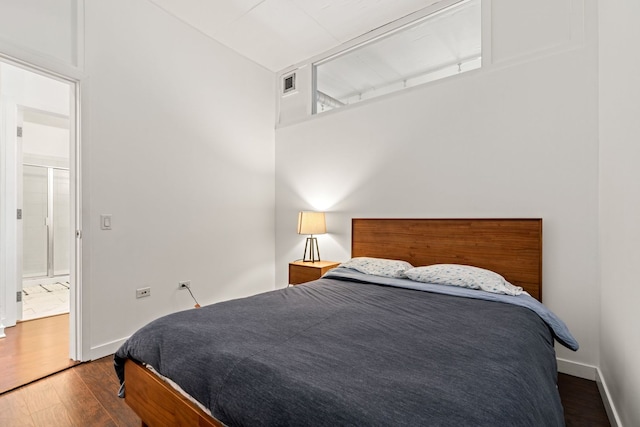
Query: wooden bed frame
511	247
159	404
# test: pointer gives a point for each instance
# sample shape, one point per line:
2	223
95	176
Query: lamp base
312	246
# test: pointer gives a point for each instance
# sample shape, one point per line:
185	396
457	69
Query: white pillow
465	276
378	266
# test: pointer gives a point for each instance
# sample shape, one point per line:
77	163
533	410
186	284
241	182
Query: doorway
39	206
46	208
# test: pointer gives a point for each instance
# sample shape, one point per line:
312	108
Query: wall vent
289	83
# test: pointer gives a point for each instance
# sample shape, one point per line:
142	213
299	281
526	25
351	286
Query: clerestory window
442	44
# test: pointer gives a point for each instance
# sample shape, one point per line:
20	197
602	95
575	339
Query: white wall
31	90
49	144
620	204
515	139
178	145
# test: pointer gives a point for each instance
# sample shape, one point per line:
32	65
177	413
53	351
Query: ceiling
279	33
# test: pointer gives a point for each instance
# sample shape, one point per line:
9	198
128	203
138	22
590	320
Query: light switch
105	222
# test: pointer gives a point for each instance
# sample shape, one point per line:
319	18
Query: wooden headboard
510	247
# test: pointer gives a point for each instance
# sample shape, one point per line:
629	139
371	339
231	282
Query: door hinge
19	296
19	131
19	214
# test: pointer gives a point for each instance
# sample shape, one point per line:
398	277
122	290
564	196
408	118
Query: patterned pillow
378	266
465	276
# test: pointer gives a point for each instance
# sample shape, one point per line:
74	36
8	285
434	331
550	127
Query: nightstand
301	272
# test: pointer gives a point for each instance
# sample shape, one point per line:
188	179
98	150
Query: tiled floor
42	300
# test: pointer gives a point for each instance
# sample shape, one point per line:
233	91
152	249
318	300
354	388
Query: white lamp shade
311	223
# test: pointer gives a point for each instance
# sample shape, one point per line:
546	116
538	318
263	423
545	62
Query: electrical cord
194	298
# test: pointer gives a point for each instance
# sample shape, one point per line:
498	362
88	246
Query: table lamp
311	223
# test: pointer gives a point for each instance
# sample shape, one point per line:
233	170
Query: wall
515	139
48	144
620	205
178	146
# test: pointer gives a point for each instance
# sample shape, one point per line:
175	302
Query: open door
32	100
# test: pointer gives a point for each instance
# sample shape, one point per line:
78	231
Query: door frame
10	268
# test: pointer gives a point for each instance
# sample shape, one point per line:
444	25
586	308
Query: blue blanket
560	330
340	352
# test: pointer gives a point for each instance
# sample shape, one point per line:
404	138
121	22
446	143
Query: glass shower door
34	215
46	222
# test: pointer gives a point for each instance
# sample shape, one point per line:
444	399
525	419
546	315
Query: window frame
424	15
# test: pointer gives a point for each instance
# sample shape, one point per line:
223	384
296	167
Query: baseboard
106	349
614	418
576	369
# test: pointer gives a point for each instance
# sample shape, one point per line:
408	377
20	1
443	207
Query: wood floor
582	402
86	395
34	349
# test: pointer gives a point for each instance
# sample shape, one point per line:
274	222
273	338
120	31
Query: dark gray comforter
335	352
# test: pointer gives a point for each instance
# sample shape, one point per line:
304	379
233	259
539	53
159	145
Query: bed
358	349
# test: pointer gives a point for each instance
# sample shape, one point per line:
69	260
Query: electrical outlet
185	284
143	292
